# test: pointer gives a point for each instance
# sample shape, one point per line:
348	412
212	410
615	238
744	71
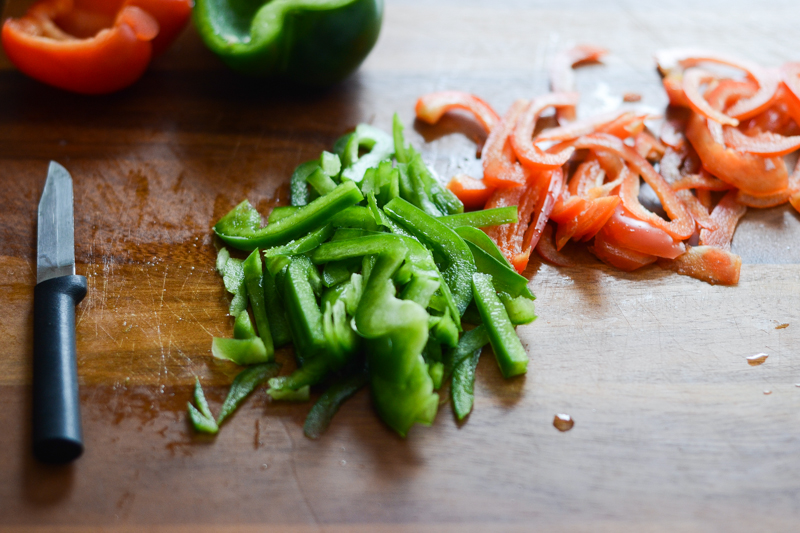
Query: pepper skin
92	46
315	43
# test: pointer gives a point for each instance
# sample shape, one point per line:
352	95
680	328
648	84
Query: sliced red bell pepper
617	256
693	79
648	146
726	215
588	175
706	263
702	180
682	225
528	153
773	200
670	60
92	46
500	167
763	143
432	106
586	126
751	173
546	248
673	86
672	134
473	193
562	77
551	184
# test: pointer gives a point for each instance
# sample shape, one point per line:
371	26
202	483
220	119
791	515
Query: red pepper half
92	46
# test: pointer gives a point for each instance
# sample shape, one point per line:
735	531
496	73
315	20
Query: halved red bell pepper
92	46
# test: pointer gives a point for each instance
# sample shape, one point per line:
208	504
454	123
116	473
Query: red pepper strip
431	107
562	78
629	232
618	256
90	46
777	119
503	236
500	167
546	248
767	80
582	127
673	85
703	180
648	146
790	93
625	126
693	78
706	263
670	169
588	175
604	210
763	143
772	200
528	153
567	216
726	215
682	225
472	192
554	181
753	174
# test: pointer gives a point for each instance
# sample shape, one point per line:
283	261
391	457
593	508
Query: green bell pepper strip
379	143
299	195
474	339
243	327
355	217
337	272
321	182
276	315
306	42
241	351
301	222
321	414
445	242
504	279
520	309
482	219
485	243
436	372
243	385
420	289
201	418
445	331
302	245
420	179
279	212
232	273
288	395
382	181
342	341
254	281
331	164
303	313
511	356
462	387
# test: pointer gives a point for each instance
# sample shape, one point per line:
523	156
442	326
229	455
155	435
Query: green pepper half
308	42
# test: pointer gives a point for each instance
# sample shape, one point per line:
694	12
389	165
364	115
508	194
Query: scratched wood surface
674	431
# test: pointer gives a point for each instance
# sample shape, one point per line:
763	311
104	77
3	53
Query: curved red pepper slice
546	248
431	107
725	215
500	167
528	153
773	200
472	192
584	126
617	256
554	181
648	146
763	143
562	77
703	180
682	225
753	174
693	79
588	175
669	60
91	46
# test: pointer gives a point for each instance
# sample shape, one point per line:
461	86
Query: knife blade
57	436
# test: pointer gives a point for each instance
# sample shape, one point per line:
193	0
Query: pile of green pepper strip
370	273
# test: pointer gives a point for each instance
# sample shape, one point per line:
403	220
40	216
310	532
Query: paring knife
57	436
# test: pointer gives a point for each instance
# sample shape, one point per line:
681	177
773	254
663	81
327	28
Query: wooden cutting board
674	431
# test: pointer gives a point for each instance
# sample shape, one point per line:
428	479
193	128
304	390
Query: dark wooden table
674	430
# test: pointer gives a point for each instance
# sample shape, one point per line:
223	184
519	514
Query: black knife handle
57	436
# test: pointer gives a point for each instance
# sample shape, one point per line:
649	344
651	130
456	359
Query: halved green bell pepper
305	42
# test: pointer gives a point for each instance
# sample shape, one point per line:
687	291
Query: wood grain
673	431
